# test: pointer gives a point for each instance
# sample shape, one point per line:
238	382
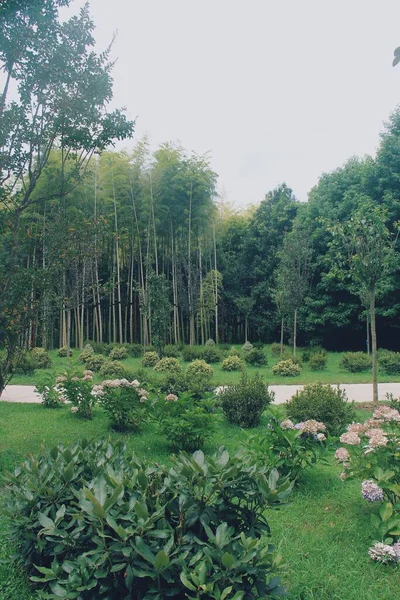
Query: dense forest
135	215
96	242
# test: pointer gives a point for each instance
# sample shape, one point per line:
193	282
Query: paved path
359	392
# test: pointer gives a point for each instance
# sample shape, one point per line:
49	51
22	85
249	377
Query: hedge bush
199	368
112	368
171	351
389	362
355	362
276	349
63	351
93	521
190	353
322	403
40	358
95	362
307	353
168	365
244	402
118	353
286	368
211	354
247	346
209	343
86	353
232	363
255	357
318	362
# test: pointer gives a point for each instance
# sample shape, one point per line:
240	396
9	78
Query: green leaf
226	591
144	550
141	510
227	560
45	521
187	583
58	591
386	511
68	473
161	560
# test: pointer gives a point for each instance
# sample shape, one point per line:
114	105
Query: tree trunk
282	330
294	333
216	289
368	344
374	350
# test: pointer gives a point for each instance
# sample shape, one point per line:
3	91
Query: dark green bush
23	364
389	362
276	349
135	350
307	353
96	523
95	362
100	347
211	354
318	362
244	402
190	353
322	403
171	351
255	357
259	345
355	362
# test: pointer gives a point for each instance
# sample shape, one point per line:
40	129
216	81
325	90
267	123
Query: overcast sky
275	90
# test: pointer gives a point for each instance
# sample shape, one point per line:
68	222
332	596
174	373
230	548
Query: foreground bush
150	359
232	363
291	448
244	402
124	402
322	403
286	368
355	362
168	365
94	522
389	362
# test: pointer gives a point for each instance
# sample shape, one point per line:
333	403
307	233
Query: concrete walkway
359	392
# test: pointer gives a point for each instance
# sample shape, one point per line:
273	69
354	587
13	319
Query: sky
276	91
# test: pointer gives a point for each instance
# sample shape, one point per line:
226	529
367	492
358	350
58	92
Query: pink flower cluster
370	491
171	398
311	427
384	553
350	438
387	414
99	390
342	455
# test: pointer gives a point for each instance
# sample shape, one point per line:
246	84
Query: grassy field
332	374
323	534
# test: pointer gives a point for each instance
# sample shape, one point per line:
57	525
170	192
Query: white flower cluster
384	553
311	427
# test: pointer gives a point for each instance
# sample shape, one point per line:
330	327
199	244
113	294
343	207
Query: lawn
323	534
332	374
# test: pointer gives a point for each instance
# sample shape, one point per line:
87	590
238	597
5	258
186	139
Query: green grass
332	374
323	534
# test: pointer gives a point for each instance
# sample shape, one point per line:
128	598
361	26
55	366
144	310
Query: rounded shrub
256	357
190	353
171	351
276	349
209	343
247	346
318	362
307	353
135	350
40	358
199	368
389	362
244	402
233	351
112	368
356	362
322	403
86	353
232	363
150	359
95	362
63	352
259	345
23	364
286	368
118	353
168	365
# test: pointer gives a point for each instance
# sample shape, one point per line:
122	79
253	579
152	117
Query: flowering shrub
125	403
232	363
118	353
355	362
86	353
209	343
286	368
78	391
116	527
63	351
150	359
371	454
199	368
95	362
255	357
50	392
168	365
244	402
323	403
40	358
290	448
113	368
184	422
